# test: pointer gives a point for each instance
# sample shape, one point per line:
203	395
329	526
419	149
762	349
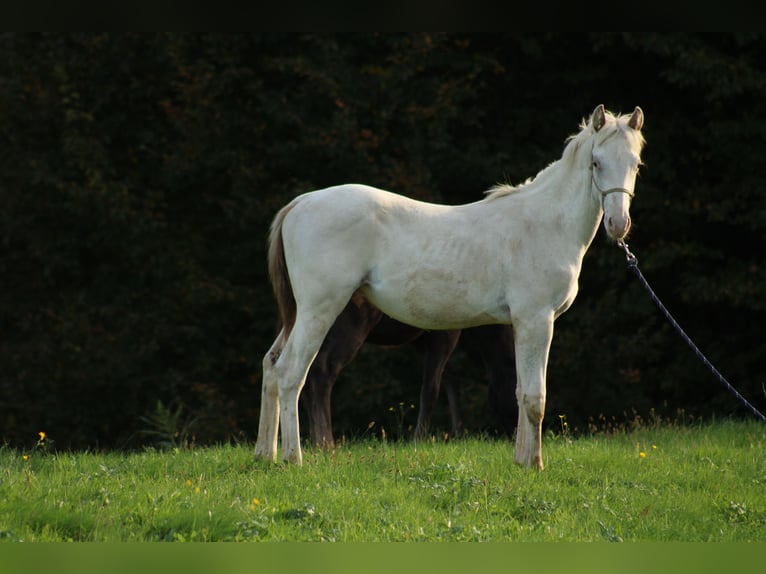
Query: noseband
605	192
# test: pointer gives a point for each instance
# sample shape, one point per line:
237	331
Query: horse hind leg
438	348
301	350
288	376
266	443
340	346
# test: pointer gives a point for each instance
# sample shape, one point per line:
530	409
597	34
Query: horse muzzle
617	227
616	212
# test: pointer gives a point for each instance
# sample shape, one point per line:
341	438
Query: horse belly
436	299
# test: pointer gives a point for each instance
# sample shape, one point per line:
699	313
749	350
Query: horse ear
636	120
598	119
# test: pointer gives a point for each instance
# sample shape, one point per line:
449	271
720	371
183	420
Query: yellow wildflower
254	504
25	457
42	435
642	454
188	482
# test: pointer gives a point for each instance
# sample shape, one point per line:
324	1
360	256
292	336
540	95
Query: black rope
633	266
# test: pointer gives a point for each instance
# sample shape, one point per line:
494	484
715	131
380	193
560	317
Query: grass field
703	482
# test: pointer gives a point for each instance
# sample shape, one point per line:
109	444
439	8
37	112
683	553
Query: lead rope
633	266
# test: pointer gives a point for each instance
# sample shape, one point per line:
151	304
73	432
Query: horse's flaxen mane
612	125
502	189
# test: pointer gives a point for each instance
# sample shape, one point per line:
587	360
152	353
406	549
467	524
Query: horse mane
613	125
502	189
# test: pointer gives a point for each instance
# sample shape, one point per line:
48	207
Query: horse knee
269	379
534	406
270	363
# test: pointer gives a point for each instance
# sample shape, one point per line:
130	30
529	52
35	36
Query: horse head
615	159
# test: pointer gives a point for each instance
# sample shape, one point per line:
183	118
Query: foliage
141	172
168	426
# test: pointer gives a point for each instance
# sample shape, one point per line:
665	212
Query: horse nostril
618	226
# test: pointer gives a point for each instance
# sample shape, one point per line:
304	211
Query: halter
604	193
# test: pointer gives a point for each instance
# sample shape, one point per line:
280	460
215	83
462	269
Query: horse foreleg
452	388
498	357
438	348
316	396
533	340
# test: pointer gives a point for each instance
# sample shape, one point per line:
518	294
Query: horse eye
596	164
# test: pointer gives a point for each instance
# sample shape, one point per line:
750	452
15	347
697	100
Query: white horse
513	257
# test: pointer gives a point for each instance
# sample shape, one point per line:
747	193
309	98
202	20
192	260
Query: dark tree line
141	172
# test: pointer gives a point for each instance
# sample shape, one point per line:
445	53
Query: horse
513	257
360	323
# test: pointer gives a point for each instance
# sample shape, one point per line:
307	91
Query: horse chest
563	291
534	287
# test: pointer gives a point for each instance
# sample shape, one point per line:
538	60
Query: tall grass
703	482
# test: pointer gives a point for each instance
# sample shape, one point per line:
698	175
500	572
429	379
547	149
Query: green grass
701	483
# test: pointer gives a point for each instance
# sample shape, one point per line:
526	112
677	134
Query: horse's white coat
513	257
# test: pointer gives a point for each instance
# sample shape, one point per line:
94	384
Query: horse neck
565	197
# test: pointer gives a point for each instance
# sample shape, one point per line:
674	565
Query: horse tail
278	274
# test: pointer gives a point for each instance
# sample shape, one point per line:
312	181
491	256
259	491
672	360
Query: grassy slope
700	483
